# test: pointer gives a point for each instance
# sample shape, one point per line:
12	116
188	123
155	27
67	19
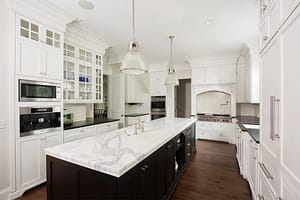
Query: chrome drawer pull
273	136
260	197
266	172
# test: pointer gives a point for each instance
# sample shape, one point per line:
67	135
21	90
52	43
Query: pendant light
133	62
171	77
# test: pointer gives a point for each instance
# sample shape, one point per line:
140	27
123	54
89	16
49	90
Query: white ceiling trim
42	12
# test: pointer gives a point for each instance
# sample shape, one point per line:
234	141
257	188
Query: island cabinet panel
155	177
165	169
139	182
69	181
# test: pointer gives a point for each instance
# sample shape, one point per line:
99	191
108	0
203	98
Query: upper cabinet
83	75
214	72
157	83
38	50
273	14
247	72
83	65
136	88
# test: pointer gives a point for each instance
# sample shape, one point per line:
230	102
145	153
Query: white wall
4	101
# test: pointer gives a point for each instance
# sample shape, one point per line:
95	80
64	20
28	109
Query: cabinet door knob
266	38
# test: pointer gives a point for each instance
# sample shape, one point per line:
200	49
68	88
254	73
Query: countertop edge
129	166
89	124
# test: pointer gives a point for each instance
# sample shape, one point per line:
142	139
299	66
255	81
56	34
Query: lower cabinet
165	169
80	133
31	159
139	182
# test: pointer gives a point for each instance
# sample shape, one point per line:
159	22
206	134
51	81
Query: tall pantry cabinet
279	166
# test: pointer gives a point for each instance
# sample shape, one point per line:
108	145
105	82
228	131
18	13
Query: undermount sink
251	126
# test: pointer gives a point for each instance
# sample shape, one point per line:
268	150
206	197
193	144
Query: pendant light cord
133	20
171	53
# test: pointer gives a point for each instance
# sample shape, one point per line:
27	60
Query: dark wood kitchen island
121	164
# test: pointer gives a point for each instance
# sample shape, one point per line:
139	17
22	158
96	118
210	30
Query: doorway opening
183	98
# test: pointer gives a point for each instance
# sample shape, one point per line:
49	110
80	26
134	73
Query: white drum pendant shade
133	62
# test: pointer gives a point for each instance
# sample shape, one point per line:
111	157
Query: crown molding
43	12
81	35
212	62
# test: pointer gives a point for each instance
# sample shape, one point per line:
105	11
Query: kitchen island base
155	177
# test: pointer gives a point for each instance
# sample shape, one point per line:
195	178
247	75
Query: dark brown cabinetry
139	182
155	177
165	169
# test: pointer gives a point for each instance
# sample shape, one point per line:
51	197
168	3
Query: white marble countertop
116	152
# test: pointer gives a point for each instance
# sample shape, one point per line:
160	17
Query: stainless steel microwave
37	91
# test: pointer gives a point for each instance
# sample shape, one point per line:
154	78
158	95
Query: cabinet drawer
107	127
265	190
268	166
78	134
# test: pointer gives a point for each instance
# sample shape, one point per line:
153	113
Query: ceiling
234	22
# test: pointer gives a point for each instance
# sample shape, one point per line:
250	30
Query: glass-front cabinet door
69	80
99	84
85	81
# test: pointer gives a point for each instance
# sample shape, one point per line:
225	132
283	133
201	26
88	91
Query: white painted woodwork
28	162
31	159
130	121
80	133
290	73
157	83
270	86
280	74
216	131
38	55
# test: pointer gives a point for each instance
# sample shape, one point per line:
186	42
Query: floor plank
213	174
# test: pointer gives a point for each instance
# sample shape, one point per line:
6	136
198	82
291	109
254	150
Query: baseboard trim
4	194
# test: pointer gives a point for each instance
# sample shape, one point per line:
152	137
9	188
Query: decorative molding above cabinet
83	66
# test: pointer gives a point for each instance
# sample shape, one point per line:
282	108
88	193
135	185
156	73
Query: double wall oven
39	118
158	107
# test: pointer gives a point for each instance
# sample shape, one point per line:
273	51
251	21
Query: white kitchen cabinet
216	131
49	141
252	165
116	88
157	83
28	162
129	121
107	127
84	132
134	92
265	191
31	159
83	75
38	50
290	94
287	6
79	133
279	108
271	87
224	74
248	76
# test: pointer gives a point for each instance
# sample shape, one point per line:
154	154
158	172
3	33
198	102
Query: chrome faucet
139	126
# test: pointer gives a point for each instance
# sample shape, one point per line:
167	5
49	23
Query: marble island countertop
116	152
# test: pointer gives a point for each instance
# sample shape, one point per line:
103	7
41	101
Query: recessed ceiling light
87	5
209	21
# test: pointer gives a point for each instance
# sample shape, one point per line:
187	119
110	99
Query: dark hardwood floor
213	174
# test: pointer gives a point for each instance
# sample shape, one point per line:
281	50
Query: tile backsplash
248	109
80	111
